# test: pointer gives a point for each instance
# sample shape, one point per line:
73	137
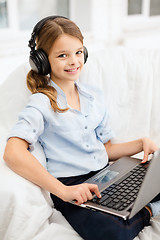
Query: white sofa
131	81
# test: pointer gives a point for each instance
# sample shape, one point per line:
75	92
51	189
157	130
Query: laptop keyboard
121	194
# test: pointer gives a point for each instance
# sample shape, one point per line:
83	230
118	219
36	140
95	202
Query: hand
148	147
80	193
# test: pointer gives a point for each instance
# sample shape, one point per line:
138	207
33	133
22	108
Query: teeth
72	70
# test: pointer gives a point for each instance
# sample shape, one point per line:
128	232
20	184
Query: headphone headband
38	59
38	27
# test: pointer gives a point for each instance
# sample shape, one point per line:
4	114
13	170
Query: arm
116	151
20	160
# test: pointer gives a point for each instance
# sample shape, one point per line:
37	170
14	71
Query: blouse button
86	127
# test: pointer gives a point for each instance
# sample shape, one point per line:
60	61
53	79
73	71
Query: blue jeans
96	225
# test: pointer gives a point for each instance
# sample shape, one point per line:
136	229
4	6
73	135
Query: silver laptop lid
150	186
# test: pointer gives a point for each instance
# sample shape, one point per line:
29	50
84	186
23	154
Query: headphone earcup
39	62
85	52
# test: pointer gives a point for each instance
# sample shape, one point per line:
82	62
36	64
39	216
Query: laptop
126	186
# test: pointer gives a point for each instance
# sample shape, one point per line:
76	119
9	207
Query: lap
92	224
95	224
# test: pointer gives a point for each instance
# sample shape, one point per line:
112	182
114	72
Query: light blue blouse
73	141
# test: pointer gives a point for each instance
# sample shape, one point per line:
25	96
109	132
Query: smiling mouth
72	70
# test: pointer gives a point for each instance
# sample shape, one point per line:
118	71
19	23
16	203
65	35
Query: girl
70	121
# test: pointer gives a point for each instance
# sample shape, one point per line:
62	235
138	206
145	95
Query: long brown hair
50	31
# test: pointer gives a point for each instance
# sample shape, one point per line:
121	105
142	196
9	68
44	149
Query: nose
72	60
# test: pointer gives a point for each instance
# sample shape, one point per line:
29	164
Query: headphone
38	59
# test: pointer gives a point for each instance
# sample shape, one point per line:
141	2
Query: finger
94	188
145	158
87	192
84	197
89	195
79	200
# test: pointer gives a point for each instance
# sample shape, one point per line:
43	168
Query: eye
62	55
79	52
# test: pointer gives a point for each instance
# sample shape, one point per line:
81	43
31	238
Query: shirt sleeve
30	124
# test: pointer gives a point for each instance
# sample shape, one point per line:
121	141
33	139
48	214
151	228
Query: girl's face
66	58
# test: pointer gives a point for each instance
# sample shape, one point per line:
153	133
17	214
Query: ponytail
37	83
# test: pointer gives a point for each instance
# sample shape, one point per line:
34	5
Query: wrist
58	189
62	190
